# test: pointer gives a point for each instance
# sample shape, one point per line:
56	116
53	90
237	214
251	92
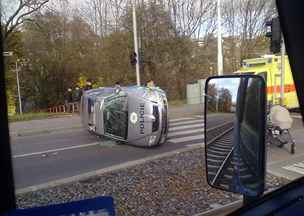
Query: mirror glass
234	133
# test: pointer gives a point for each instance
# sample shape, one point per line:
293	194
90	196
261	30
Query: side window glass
116	117
264	75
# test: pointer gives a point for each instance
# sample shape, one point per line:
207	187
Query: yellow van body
269	66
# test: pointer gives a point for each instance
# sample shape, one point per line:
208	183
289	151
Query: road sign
101	206
9	53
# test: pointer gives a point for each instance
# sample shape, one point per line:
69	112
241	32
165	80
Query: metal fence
68	108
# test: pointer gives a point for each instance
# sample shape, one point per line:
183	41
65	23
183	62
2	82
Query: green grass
177	102
33	116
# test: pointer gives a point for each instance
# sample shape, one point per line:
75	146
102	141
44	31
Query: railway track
224	161
215	132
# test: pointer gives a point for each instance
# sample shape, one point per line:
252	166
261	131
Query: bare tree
117	7
24	9
104	15
192	17
244	23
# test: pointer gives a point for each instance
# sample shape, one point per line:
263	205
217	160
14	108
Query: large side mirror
235	133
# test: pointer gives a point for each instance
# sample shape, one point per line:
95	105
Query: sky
232	84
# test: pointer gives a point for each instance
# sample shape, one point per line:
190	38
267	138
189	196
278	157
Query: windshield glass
116	117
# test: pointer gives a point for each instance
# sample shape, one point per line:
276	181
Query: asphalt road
42	158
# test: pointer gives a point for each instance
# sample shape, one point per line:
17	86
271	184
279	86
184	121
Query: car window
116	117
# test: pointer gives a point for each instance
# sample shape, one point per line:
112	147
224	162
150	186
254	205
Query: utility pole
219	40
282	73
8	54
18	88
136	43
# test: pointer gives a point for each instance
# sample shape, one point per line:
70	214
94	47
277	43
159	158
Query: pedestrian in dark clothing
76	94
117	84
68	99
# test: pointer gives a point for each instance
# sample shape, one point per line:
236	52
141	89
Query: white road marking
297	167
186	127
297	116
186	122
176	124
187	138
55	150
186	132
181	119
196	145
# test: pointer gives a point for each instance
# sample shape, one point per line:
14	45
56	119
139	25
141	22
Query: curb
280	175
103	171
222	210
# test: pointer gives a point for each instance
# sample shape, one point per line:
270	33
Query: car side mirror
235	133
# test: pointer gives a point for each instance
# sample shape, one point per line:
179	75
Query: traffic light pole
277	45
282	73
136	43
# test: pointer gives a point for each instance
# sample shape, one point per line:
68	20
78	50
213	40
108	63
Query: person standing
117	84
150	83
68	99
77	93
88	85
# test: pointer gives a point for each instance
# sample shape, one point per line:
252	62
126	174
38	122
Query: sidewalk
44	125
185	110
283	164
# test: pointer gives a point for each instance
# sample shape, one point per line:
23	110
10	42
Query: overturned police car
135	115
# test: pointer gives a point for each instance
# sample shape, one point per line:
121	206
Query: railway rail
223	159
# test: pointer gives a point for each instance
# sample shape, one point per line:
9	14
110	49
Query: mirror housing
235	119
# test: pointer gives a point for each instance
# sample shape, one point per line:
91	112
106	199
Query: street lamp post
219	40
9	54
135	43
18	88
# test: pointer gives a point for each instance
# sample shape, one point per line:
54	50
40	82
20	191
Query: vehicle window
106	98
116	117
264	75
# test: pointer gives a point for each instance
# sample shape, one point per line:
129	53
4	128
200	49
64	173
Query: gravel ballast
174	185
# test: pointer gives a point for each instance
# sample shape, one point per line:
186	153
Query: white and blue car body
134	115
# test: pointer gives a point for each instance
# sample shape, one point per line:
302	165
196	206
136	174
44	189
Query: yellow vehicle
269	67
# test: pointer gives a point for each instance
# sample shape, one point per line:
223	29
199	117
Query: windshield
116	117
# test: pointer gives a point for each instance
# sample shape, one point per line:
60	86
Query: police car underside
133	115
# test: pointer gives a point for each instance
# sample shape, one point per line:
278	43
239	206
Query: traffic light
274	32
133	59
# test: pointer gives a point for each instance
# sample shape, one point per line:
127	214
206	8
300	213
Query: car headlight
152	140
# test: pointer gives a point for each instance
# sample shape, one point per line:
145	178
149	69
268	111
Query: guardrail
69	108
